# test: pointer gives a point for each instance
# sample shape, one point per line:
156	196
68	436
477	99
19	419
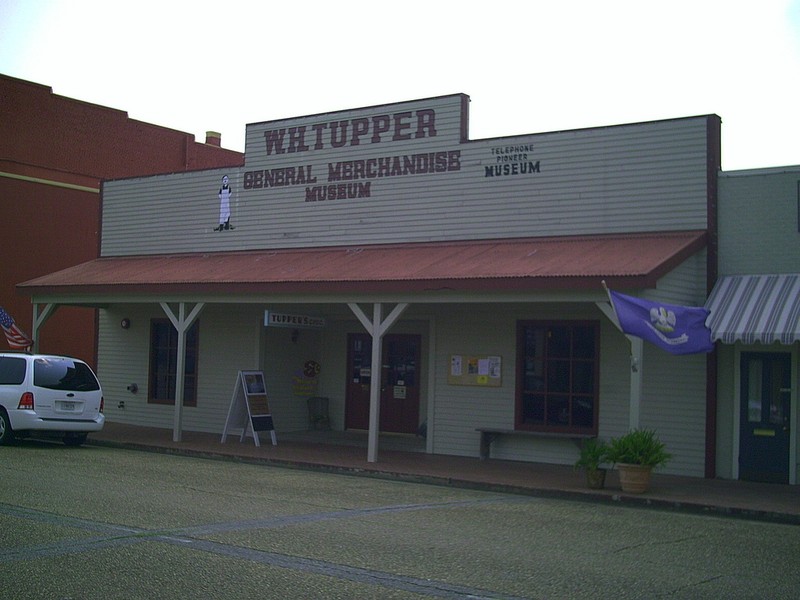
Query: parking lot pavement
101	522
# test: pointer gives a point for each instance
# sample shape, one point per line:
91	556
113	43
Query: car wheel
6	433
75	439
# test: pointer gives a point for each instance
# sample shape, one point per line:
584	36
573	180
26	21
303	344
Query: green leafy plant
594	452
638	447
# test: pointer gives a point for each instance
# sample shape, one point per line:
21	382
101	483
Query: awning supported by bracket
39	319
377	328
182	323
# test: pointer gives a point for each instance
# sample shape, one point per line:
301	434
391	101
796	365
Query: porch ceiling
554	263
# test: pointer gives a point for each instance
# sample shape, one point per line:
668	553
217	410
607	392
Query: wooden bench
488	435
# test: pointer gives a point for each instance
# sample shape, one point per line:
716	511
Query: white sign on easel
249	407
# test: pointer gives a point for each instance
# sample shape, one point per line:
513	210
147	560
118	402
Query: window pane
780	384
557	411
12	370
164	361
557	367
583	342
362	358
558	343
583	377
534	379
64	374
533	409
534	341
533	359
754	391
558	376
582	411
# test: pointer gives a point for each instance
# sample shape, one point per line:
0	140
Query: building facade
755	315
54	153
419	280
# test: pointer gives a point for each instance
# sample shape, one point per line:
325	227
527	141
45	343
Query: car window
64	374
12	370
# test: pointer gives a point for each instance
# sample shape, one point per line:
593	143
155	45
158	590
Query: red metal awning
554	263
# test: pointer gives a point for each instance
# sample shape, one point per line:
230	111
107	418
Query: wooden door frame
351	336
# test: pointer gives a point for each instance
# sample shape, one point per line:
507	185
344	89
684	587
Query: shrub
638	447
594	452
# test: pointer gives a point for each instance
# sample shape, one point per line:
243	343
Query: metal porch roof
556	263
755	308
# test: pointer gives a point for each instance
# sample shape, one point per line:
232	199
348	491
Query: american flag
16	339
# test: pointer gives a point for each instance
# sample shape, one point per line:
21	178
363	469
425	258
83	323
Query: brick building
54	154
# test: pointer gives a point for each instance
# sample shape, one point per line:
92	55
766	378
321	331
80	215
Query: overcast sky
528	66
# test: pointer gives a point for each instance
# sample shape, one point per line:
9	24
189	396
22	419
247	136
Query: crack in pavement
118	535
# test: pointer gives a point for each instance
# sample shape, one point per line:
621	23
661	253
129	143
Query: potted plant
593	454
635	455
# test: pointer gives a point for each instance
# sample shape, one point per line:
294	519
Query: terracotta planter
634	479
596	478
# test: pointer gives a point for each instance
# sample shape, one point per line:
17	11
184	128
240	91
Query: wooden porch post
182	323
377	328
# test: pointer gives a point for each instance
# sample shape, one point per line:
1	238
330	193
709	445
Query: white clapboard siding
122	361
459	410
685	285
673	396
284	360
765	240
674	405
639	177
229	342
615	368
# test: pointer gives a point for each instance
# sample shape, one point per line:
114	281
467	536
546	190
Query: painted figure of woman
224	206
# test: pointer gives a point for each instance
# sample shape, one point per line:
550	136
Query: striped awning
755	308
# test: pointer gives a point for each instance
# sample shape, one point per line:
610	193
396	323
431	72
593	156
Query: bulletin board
475	369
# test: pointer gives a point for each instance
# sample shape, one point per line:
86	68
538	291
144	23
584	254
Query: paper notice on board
455	366
493	367
474	369
489	366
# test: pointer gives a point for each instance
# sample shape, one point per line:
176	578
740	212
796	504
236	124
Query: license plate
67	406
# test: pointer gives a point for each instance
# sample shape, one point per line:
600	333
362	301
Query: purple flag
676	329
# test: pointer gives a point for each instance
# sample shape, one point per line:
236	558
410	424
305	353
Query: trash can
318	413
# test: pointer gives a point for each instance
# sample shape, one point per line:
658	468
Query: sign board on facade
249	410
276	319
402	172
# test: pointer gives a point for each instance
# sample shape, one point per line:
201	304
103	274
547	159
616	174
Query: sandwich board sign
249	408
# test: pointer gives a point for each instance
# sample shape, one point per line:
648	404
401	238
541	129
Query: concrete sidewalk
403	459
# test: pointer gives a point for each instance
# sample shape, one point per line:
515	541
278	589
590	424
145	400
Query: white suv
53	394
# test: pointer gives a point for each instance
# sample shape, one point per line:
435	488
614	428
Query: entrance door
765	412
399	382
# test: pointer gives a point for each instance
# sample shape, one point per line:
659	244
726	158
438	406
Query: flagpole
636	360
608	293
613	315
